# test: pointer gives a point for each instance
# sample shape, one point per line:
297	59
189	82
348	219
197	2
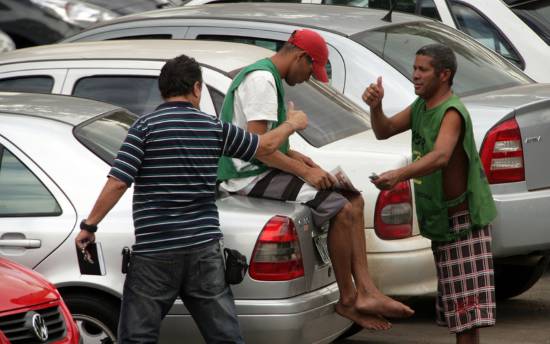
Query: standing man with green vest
255	101
454	204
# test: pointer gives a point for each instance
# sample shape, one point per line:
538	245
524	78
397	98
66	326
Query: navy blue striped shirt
172	157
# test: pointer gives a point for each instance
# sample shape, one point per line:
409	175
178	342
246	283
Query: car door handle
25	243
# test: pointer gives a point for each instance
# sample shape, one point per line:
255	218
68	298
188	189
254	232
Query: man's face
425	79
300	69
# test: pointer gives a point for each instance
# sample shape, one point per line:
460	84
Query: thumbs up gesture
296	118
374	93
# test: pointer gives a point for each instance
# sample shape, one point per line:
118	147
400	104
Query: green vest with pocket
226	169
431	205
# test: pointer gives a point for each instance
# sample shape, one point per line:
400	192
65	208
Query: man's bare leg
468	337
340	255
369	298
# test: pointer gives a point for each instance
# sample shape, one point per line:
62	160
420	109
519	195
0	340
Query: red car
31	309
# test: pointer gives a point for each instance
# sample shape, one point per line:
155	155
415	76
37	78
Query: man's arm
383	126
109	196
314	175
438	158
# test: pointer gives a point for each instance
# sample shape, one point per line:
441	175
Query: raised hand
296	118
374	93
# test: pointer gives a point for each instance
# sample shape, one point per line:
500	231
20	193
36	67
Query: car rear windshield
479	69
103	135
536	14
331	116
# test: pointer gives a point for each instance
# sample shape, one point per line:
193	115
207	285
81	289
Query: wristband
87	227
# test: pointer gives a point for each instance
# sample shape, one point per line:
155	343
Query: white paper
343	182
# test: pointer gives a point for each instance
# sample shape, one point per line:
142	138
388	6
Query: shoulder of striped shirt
175	111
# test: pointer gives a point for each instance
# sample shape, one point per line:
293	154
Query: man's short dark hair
178	76
442	58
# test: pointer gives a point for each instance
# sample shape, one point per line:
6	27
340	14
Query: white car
363	45
519	30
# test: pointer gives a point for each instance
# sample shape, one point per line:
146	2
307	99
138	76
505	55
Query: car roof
344	20
224	56
69	110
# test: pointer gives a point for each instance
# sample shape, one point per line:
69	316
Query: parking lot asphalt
524	319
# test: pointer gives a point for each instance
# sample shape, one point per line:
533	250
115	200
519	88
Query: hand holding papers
343	182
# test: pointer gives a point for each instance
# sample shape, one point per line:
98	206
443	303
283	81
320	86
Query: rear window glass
103	135
331	116
479	69
536	14
139	94
423	7
31	84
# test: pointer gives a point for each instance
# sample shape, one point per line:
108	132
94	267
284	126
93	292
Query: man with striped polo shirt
172	157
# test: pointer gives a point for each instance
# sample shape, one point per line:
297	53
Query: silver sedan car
509	112
54	156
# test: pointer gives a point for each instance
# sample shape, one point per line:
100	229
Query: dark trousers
197	276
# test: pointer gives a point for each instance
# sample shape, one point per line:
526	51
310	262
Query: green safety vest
226	169
431	206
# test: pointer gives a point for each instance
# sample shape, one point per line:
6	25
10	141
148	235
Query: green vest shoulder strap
226	169
431	205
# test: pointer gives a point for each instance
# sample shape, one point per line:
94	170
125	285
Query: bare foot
380	304
371	322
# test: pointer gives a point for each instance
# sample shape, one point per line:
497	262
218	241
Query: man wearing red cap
255	101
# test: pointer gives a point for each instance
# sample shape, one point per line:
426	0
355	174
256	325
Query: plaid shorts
466	284
282	186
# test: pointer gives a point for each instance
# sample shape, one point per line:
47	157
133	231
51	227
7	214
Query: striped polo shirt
172	157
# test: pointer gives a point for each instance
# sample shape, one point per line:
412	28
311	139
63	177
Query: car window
536	14
103	135
476	25
21	192
271	44
151	36
479	70
217	99
331	116
422	7
139	94
31	84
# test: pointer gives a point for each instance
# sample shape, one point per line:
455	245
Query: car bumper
403	267
308	318
521	226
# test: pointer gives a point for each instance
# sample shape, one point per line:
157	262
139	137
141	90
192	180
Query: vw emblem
39	327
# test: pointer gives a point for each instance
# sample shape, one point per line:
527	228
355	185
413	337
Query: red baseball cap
315	46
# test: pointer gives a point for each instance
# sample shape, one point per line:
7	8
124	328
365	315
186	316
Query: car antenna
387	17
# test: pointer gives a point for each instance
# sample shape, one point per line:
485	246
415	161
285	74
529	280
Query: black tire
96	318
513	280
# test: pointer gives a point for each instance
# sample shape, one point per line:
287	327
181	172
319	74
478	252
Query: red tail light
277	255
393	213
502	154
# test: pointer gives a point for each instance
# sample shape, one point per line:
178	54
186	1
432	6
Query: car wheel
513	280
97	319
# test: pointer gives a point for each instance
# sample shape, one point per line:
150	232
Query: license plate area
320	241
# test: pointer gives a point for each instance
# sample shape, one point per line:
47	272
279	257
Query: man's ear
197	89
445	75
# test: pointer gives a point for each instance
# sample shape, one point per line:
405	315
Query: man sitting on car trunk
172	156
453	199
255	101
